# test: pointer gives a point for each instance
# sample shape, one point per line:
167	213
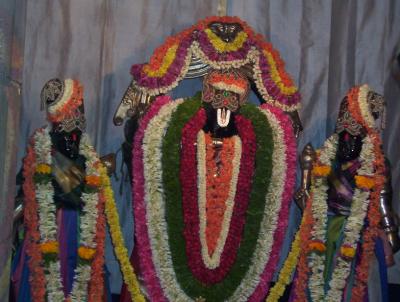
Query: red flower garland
374	216
96	284
31	220
142	250
188	179
300	283
217	189
290	179
37	276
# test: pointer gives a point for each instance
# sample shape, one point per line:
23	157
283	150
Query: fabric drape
328	47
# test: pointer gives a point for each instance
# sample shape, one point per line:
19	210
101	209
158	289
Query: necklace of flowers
213	230
158	258
46	209
353	226
360	110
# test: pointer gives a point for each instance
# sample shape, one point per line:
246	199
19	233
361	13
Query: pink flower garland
147	268
188	180
287	194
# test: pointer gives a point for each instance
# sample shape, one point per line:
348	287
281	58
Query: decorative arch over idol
213	175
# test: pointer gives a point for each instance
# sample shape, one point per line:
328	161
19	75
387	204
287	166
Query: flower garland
300	283
42	227
287	270
153	198
171	61
354	224
352	229
215	218
37	280
149	276
156	225
319	210
284	170
224	289
190	203
222	46
120	250
358	108
365	205
96	283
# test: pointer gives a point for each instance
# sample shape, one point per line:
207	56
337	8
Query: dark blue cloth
380	255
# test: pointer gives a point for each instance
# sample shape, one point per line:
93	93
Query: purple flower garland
144	252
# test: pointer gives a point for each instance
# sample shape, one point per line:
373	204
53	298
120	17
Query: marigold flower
348	251
93	180
321	171
364	182
86	253
43	168
49	247
317	246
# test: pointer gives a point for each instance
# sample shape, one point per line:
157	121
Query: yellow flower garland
167	61
284	275
276	77
120	250
222	46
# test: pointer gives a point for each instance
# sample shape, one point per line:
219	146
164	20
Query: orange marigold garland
365	202
357	102
300	284
40	220
374	218
218	189
96	284
37	280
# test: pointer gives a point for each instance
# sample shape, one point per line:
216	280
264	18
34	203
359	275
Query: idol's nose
117	120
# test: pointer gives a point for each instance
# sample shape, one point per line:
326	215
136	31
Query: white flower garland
319	205
352	228
68	90
166	89
364	106
196	49
155	208
154	200
213	261
253	56
48	224
273	203
355	222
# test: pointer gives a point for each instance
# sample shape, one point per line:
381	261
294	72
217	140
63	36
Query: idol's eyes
232	28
